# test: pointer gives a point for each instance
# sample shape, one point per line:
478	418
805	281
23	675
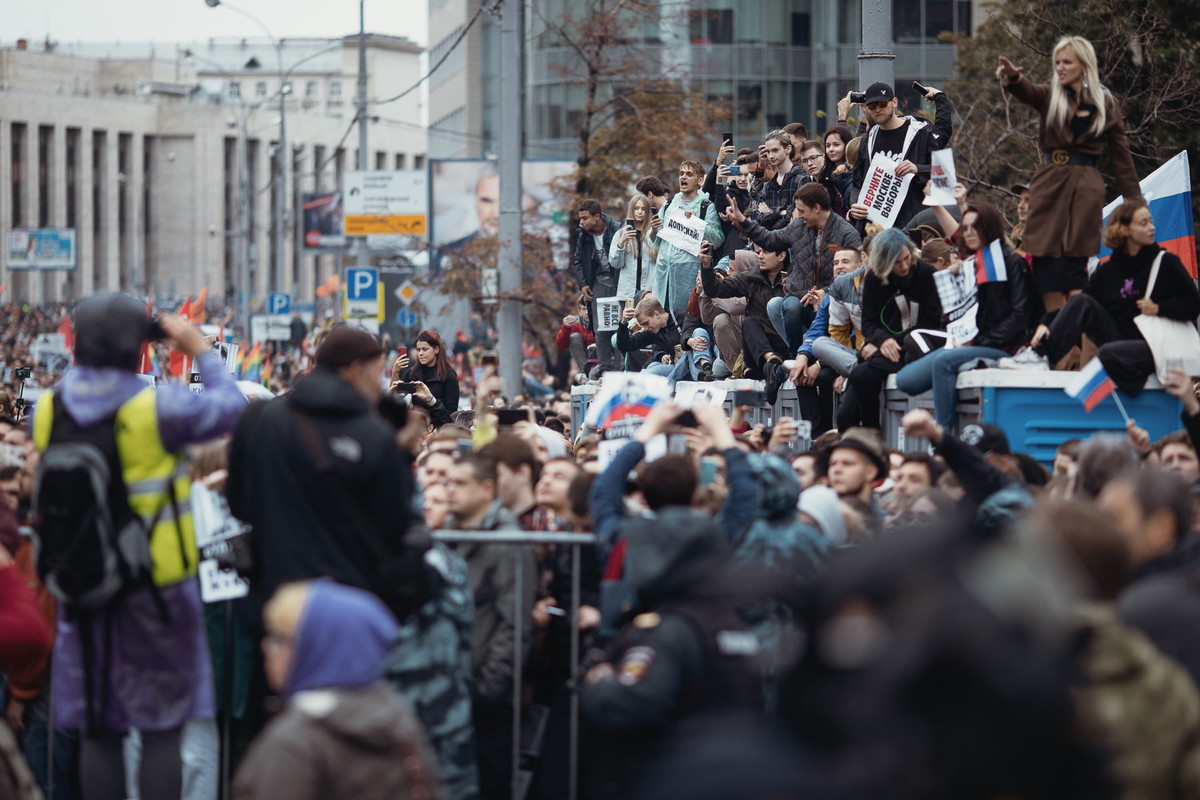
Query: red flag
146	364
199	309
68	335
177	364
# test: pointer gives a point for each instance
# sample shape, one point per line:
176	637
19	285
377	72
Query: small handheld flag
989	264
1091	385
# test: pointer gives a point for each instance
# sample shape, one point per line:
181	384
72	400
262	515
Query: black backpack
90	545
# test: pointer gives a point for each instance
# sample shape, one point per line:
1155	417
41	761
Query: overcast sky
191	20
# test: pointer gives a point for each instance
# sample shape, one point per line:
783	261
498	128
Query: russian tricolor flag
1090	385
1168	190
989	264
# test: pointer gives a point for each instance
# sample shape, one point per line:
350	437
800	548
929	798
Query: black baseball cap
1017	188
879	93
986	439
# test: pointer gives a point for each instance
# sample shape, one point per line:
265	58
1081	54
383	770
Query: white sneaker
1025	358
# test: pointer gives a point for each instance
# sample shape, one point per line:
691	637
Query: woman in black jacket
1001	319
436	382
899	296
837	183
1115	295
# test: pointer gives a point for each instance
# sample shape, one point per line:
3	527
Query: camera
858	97
154	330
22	373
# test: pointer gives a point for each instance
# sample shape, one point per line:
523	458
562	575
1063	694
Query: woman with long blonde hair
1080	120
634	248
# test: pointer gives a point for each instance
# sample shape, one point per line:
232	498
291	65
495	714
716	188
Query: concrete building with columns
165	160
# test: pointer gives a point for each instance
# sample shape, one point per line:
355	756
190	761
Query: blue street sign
406	318
362	284
279	303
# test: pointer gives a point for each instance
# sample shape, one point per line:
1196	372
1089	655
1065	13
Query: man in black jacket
908	141
813	237
762	346
1154	511
319	476
593	271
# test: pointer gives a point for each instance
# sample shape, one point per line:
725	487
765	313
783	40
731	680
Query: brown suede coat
1066	201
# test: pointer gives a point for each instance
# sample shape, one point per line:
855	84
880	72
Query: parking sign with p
362	297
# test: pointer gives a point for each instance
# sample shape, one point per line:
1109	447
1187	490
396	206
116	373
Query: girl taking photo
634	249
435	382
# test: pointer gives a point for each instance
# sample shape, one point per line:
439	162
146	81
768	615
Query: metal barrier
520	613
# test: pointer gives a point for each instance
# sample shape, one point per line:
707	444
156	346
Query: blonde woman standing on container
1080	120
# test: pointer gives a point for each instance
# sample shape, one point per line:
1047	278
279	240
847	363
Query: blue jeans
790	320
939	371
688	367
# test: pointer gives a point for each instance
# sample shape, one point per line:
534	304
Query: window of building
260	89
763	22
400	161
335	93
235	89
929	20
380	159
712	26
17	166
418	162
310	89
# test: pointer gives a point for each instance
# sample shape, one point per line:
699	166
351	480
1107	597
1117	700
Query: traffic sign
407	292
362	298
279	303
406	318
386	202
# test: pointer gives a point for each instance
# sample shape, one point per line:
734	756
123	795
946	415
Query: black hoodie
301	527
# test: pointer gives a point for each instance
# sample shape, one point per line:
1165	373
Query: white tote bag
1175	344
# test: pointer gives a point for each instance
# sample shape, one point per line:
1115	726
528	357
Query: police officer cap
110	329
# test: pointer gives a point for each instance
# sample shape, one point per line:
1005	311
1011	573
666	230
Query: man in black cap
857	462
908	141
319	476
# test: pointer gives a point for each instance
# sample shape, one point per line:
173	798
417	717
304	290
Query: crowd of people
755	615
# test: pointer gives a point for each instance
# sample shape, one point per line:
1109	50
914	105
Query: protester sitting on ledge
1115	294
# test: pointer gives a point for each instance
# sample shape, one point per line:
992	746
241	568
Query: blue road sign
279	303
406	318
362	284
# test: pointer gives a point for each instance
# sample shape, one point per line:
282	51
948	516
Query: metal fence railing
521	616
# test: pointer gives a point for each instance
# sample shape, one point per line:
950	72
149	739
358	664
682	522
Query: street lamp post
282	161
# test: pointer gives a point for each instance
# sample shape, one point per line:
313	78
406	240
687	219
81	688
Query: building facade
771	61
166	160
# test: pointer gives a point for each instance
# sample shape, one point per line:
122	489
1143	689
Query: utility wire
462	35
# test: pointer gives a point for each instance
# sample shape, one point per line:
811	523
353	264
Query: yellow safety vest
148	470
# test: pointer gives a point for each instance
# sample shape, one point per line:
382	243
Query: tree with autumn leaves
1147	58
639	117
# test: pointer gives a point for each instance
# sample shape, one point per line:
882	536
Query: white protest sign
608	312
942	177
689	395
686	233
623	401
214	527
960	303
883	193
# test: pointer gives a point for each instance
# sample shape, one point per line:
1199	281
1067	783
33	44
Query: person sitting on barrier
676	349
762	345
475	506
813	237
831	345
724	316
344	732
1105	310
1002	313
899	296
